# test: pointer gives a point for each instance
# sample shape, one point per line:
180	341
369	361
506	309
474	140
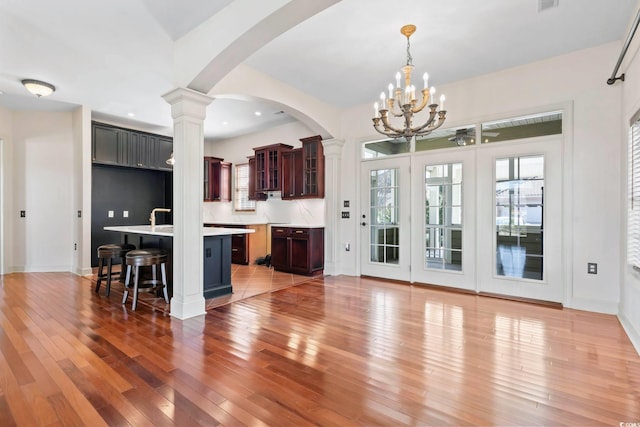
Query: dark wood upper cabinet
112	145
292	174
303	170
217	180
313	166
162	149
139	152
107	145
268	167
297	173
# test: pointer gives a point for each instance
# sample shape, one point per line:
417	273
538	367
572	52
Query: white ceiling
116	56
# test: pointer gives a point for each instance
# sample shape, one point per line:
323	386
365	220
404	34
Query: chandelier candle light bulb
407	103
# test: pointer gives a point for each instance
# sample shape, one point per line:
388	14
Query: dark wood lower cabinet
298	250
239	249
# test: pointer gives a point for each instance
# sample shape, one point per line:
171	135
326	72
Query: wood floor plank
6	418
331	351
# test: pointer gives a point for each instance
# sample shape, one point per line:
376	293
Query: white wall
42	183
629	313
274	209
577	79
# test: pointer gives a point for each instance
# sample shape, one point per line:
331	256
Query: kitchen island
216	252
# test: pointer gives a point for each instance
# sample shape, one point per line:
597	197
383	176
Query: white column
332	183
188	109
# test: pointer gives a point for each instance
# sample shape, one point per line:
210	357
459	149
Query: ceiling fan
468	135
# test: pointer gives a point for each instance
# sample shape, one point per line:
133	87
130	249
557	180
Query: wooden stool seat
144	258
110	252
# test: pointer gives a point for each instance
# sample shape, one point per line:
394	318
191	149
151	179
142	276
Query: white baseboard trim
329	269
632	333
604	307
185	310
83	271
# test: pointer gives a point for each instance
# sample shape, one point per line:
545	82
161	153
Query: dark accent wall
121	189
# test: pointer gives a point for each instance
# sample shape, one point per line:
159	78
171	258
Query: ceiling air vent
547	4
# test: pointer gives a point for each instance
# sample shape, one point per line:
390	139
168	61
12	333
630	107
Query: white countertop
167	230
297	225
238	222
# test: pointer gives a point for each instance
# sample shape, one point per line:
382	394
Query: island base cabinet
246	248
217	266
298	250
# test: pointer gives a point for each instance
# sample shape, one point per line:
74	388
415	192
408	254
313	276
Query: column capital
187	102
332	147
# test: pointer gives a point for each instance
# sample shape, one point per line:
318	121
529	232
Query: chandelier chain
409	58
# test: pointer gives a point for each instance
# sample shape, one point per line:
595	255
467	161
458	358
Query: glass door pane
384	214
519	217
443	216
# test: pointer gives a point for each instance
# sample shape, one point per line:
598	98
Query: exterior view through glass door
519	216
384	219
443	194
521	221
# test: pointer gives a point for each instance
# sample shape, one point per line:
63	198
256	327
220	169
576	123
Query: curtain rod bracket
613	80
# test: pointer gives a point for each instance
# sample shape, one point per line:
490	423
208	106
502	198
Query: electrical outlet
592	268
110	214
23	214
125	214
345	214
79	214
347	247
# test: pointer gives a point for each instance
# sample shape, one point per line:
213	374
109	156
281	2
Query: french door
486	219
443	226
384	219
520	219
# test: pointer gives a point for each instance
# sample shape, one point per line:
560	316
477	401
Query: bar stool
110	252
143	258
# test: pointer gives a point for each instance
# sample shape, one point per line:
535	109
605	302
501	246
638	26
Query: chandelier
407	103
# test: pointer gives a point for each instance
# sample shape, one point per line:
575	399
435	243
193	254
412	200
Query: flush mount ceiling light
38	88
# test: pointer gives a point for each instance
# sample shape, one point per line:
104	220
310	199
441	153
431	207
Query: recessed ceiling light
131	114
258	113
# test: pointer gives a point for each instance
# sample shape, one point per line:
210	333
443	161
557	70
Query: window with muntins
241	200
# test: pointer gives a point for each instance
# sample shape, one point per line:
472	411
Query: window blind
633	208
242	202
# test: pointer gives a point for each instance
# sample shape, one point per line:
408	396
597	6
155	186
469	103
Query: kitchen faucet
152	218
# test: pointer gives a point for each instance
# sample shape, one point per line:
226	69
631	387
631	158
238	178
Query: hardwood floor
331	351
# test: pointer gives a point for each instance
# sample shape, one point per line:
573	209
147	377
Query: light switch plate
110	214
125	214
